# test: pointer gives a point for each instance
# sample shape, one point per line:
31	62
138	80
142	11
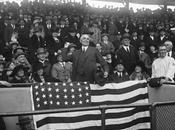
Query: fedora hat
41	50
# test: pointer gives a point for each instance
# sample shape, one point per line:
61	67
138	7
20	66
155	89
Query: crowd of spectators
36	38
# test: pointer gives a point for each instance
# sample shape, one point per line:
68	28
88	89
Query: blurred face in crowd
168	45
48	22
60	58
40	72
119	36
109	58
141	37
119	68
142	48
138	69
22	22
14	46
1	67
152	48
105	38
42	56
21	59
162	33
126	42
98	46
72	49
134	34
85	39
20	73
162	51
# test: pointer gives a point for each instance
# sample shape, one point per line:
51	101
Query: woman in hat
39	75
107	46
20	74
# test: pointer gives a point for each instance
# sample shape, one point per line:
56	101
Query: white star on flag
65	90
78	84
44	96
37	99
57	96
45	102
73	96
87	100
51	102
36	87
36	93
73	103
58	103
65	96
79	89
50	95
57	90
43	89
80	102
66	103
49	89
71	84
72	90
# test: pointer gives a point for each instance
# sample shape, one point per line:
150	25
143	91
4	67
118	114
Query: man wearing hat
128	54
72	37
119	74
85	60
151	39
20	74
61	71
42	60
163	37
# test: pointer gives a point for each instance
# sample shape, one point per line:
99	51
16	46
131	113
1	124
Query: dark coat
115	78
129	58
84	64
46	67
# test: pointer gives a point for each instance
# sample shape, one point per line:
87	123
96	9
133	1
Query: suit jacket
8	33
115	78
61	73
84	64
129	59
150	42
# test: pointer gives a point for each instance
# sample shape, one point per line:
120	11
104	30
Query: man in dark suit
151	39
85	60
128	54
119	75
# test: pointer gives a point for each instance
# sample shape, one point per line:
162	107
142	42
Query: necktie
83	50
168	53
63	65
120	74
127	49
